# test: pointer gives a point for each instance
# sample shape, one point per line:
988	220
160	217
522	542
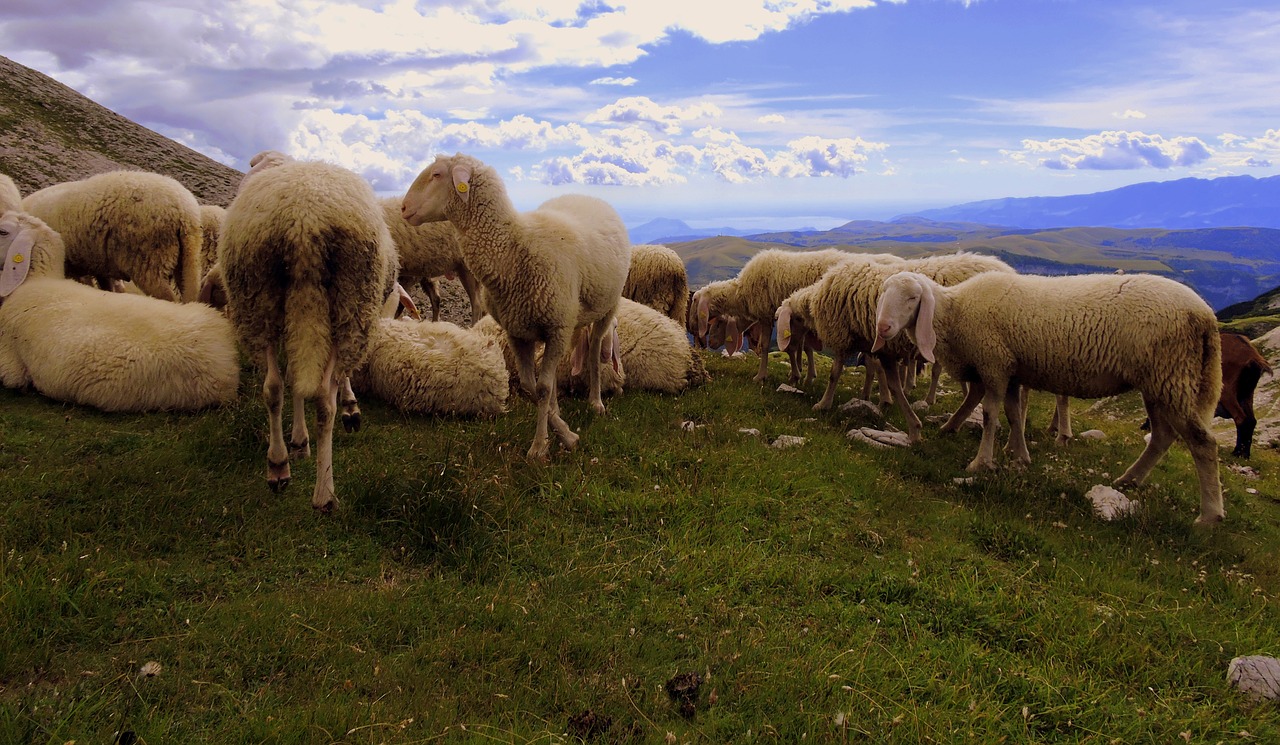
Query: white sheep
131	225
434	368
211	217
10	197
115	352
1082	336
426	251
840	309
657	278
546	272
760	287
652	352
307	261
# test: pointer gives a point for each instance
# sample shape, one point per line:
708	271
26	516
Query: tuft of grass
825	592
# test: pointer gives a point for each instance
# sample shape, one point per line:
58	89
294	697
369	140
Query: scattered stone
1246	471
962	480
1256	676
784	388
809	419
1251	491
878	437
750	431
859	406
788	441
690	426
1108	503
150	670
1092	434
921	405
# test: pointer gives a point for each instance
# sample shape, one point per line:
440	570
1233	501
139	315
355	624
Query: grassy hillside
829	592
49	133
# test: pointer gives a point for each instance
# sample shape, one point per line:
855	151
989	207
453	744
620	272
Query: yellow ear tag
462	188
786	333
17	258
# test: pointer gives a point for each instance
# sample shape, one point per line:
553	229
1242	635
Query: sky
734	113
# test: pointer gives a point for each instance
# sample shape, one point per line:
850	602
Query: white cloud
642	110
627	81
1112	150
1130	114
772	119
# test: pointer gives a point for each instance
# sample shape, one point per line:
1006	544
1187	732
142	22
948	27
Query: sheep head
434	190
906	298
29	247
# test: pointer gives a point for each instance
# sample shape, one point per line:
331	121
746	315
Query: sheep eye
4	232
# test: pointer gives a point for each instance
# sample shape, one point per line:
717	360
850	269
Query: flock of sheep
304	272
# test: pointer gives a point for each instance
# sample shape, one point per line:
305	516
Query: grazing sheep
434	368
10	197
840	308
760	287
115	352
546	272
307	262
1242	368
129	225
427	251
657	278
1082	336
211	217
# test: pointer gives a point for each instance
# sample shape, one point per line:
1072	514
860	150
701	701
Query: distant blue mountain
1230	201
666	230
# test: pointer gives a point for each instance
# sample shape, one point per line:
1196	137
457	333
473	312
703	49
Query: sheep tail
187	272
1211	369
308	334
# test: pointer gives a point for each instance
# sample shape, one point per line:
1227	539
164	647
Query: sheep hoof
1062	440
277	476
569	440
1209	520
597	407
539	453
299	450
325	508
977	465
351	422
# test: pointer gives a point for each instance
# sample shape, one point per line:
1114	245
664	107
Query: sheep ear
704	314
611	341
925	338
17	262
784	327
410	307
462	182
734	345
578	357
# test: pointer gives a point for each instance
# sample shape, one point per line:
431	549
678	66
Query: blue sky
718	112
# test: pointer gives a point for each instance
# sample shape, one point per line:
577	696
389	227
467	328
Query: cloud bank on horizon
748	107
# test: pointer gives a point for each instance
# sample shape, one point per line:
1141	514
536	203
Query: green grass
829	592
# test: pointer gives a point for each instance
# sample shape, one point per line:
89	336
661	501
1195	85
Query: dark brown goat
1242	367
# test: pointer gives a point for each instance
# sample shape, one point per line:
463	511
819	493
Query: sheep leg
324	498
525	354
829	395
972	396
1162	436
763	350
985	459
1015	411
812	374
882	377
472	287
1204	452
793	358
1061	423
299	441
429	289
935	371
595	341
894	377
273	396
1245	424
350	407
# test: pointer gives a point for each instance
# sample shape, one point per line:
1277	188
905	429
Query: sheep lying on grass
307	262
1082	336
112	351
545	272
434	368
129	225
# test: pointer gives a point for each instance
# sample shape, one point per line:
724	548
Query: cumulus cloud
1130	114
642	110
1250	152
627	81
1112	150
772	119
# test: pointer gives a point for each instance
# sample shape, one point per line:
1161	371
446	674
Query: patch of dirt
683	689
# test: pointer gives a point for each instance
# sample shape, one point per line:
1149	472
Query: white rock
1246	471
750	431
1256	676
788	441
859	406
1092	434
784	388
878	437
1108	503
921	405
962	480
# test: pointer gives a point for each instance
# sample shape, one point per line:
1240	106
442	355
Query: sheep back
114	351
307	260
10	197
427	250
423	367
657	278
655	352
132	225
